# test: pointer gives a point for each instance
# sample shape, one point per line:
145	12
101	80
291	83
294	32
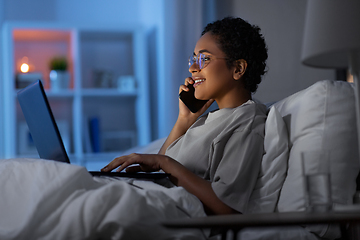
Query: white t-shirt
226	148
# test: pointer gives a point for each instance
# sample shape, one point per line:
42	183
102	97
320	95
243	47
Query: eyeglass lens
198	59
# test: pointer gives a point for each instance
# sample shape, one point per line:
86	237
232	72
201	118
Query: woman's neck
234	99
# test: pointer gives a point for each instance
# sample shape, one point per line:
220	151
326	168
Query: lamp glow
24	68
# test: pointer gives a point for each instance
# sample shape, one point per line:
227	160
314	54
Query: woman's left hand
147	163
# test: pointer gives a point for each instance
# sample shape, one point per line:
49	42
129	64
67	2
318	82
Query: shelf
39	46
107	54
26	35
60	94
105	63
107	93
88	93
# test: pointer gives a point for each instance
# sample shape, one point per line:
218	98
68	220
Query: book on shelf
86	136
95	134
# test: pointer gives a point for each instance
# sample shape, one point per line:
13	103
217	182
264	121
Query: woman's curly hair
240	40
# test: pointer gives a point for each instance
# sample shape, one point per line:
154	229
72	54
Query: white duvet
41	199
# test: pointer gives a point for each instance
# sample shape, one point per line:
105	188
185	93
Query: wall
182	28
282	24
34	10
154	22
112	12
1	101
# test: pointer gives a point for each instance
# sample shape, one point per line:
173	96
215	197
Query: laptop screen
41	122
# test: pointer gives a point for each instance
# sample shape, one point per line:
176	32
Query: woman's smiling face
216	79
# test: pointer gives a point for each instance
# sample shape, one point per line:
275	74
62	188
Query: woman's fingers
109	167
184	87
189	80
147	162
128	160
123	166
121	162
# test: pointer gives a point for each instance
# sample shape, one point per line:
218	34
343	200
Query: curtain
183	22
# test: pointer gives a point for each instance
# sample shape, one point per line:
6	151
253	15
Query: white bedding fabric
41	199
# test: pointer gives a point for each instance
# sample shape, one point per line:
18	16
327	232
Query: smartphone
188	98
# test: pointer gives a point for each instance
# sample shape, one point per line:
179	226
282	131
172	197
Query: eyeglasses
201	60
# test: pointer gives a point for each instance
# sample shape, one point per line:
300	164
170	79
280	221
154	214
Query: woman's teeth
198	81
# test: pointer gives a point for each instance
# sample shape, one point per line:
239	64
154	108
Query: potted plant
59	76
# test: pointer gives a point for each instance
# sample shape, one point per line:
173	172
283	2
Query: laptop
45	132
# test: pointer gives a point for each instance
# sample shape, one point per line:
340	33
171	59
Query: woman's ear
240	68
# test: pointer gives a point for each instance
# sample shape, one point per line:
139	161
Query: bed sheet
42	199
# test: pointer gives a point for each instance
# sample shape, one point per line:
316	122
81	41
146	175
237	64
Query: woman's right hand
184	111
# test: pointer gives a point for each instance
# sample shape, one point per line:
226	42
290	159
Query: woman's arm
185	118
180	176
196	185
179	129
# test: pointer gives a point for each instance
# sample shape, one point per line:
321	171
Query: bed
42	199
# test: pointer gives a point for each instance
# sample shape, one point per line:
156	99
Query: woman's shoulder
247	112
250	117
250	108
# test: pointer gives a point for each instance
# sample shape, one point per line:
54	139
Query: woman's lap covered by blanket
42	199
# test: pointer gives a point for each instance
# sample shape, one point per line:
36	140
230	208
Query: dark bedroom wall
112	12
1	112
29	10
282	24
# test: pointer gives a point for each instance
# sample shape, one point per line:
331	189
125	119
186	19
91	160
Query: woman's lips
198	82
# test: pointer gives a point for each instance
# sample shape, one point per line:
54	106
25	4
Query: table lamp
332	39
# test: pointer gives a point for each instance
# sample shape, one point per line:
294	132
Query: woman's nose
194	68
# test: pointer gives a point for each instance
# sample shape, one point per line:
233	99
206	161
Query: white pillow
273	166
321	117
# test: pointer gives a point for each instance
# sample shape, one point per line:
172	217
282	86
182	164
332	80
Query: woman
216	157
